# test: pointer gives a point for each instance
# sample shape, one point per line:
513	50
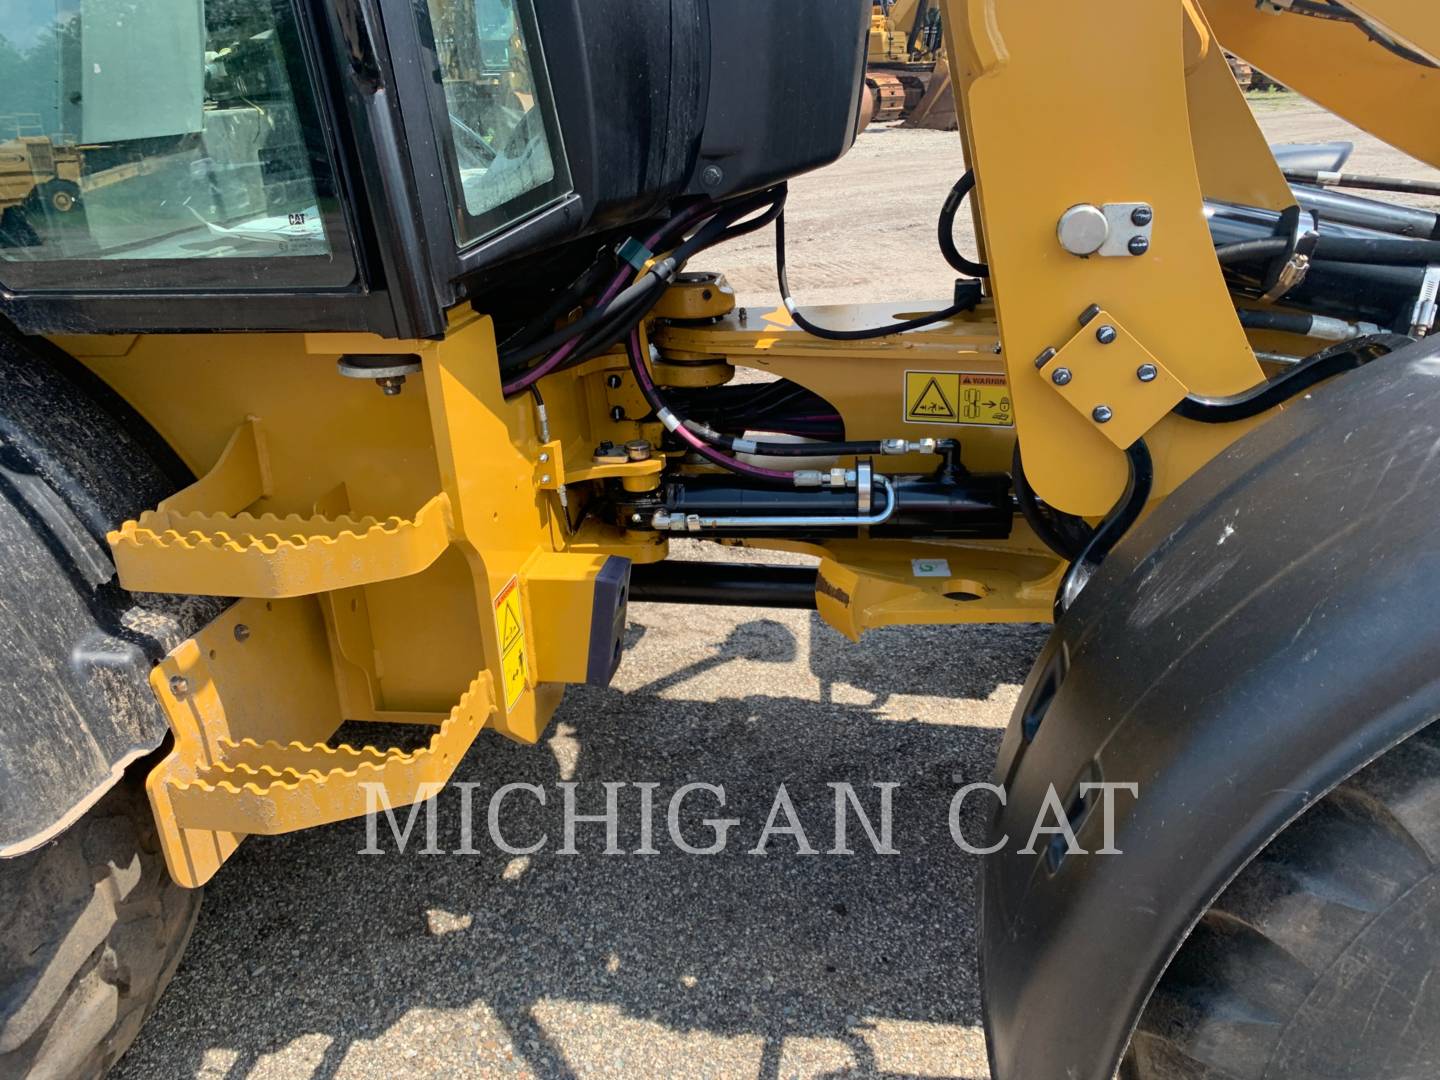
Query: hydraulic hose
1110	531
619	307
1063	534
1346	249
959	263
1346	356
677	424
571	333
853	335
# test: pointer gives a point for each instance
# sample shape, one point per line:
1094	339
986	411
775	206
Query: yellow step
271	557
268	789
201	541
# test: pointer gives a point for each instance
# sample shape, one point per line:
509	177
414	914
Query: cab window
161	132
499	127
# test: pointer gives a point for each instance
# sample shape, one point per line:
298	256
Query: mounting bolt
1101	414
544	458
391	385
1138	245
1106	335
1147	372
1061	376
1045	357
544	478
638	449
617	414
712	175
242	632
179	686
1088	315
613	381
1141	216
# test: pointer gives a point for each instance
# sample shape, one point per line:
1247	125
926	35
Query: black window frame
340	269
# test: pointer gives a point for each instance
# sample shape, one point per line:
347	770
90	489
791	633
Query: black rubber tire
1317	961
91	929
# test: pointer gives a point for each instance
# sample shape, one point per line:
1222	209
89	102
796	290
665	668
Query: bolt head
242	632
545	478
1106	335
544	458
613	381
1146	372
712	175
1061	376
617	414
1138	245
1141	216
179	686
1101	414
1045	357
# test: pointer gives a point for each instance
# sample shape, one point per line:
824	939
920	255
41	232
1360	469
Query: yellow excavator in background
904	46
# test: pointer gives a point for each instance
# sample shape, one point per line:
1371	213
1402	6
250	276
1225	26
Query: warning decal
510	625
957	397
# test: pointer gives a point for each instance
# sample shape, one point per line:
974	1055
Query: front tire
91	929
1318	961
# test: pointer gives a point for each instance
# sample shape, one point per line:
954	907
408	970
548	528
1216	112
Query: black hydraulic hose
959	263
1064	534
1393	252
614	329
574	296
774	449
652	284
1346	249
1347	356
1363	183
1252	250
1284	322
1110	531
606	324
852	335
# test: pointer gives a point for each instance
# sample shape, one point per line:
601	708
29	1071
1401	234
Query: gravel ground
313	960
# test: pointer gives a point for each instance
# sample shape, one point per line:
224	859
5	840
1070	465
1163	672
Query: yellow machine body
409	557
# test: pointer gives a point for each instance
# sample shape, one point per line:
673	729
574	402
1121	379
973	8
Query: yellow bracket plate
1113	381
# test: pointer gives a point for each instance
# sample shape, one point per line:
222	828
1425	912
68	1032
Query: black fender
1269	630
75	649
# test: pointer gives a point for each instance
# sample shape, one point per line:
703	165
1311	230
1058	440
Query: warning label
957	397
510	625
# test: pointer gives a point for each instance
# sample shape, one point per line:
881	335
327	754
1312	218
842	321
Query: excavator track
889	94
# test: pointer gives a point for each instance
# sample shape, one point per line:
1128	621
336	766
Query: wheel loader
380	385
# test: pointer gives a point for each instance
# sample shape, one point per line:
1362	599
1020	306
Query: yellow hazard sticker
958	397
510	626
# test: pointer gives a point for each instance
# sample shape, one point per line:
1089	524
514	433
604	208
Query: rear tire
1317	962
91	929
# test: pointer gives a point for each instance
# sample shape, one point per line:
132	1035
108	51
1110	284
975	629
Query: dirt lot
311	960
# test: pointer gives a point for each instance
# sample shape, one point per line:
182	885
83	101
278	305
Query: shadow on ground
301	935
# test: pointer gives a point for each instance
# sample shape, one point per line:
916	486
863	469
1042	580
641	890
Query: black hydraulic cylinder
724	584
968	506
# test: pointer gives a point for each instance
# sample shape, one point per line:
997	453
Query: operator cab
367	164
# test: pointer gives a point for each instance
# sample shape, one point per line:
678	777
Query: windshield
153	130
